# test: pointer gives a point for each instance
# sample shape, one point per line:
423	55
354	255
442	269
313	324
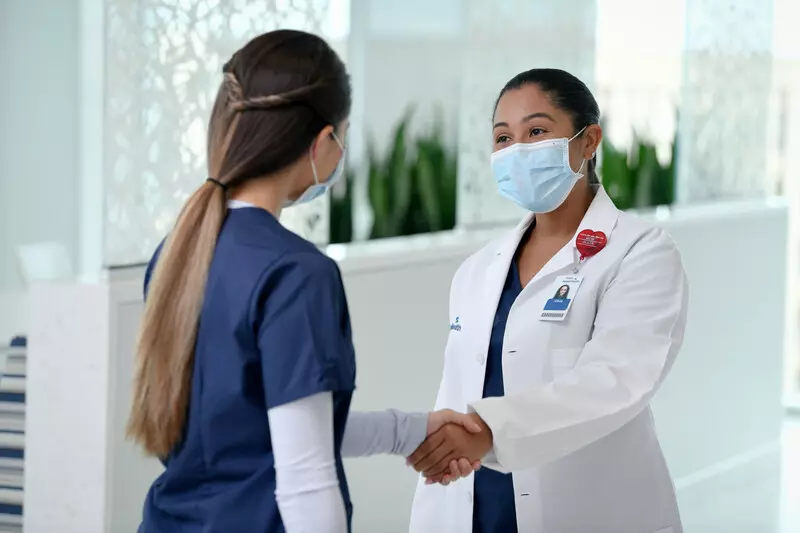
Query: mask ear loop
311	151
577	134
336	138
313	166
583	161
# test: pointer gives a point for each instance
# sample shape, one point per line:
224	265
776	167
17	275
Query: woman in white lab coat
561	379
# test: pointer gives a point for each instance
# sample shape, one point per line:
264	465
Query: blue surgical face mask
318	188
536	176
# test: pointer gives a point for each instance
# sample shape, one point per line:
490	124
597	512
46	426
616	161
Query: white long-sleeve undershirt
307	484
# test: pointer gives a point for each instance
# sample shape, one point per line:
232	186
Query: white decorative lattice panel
724	114
502	40
163	67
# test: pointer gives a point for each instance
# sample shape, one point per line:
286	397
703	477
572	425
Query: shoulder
310	264
645	237
294	274
257	245
298	280
650	254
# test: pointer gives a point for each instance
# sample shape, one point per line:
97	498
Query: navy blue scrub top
494	510
274	328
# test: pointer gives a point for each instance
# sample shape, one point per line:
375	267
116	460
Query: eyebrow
525	119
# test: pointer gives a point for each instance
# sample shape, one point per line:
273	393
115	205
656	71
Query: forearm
315	511
541	425
307	483
383	432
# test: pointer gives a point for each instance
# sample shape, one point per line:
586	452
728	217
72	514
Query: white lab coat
575	426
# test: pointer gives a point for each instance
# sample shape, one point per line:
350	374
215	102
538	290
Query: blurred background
103	111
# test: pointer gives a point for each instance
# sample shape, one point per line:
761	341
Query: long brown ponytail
165	351
278	92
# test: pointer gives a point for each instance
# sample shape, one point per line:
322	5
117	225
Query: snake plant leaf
428	162
647	173
617	177
664	187
398	177
341	209
378	194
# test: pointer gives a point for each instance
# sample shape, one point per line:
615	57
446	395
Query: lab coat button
469	496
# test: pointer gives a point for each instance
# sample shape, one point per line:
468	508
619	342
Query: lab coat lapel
602	216
497	271
492	281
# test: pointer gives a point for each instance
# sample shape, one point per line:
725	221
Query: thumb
465	421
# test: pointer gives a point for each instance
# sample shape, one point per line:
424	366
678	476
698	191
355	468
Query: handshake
454	447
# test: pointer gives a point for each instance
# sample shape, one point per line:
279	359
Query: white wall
718	415
38	137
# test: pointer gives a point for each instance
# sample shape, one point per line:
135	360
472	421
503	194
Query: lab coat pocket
564	359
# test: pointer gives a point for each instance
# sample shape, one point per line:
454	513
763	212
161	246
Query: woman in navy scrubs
245	366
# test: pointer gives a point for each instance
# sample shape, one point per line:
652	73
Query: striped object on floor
12	436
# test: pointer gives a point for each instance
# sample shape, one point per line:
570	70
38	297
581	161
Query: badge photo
564	292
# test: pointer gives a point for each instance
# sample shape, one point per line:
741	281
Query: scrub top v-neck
494	510
274	328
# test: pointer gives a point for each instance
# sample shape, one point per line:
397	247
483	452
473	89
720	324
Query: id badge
565	290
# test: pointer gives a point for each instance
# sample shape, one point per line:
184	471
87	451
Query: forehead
516	104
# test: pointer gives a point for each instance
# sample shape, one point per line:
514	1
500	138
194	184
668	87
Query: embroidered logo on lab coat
456	326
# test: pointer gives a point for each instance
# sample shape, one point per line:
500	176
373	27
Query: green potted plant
341	209
636	178
411	188
390	185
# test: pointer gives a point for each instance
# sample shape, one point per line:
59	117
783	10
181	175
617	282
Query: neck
565	220
270	192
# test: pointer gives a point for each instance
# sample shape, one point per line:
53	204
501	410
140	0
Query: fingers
464	467
438	461
425	449
451	475
455	471
442	479
458	469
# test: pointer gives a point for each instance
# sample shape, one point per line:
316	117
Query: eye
502	138
535	132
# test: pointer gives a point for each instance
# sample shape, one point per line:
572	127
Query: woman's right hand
461	467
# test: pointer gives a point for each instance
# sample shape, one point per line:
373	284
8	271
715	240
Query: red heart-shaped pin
590	242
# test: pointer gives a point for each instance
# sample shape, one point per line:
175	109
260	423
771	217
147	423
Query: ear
593	136
325	132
